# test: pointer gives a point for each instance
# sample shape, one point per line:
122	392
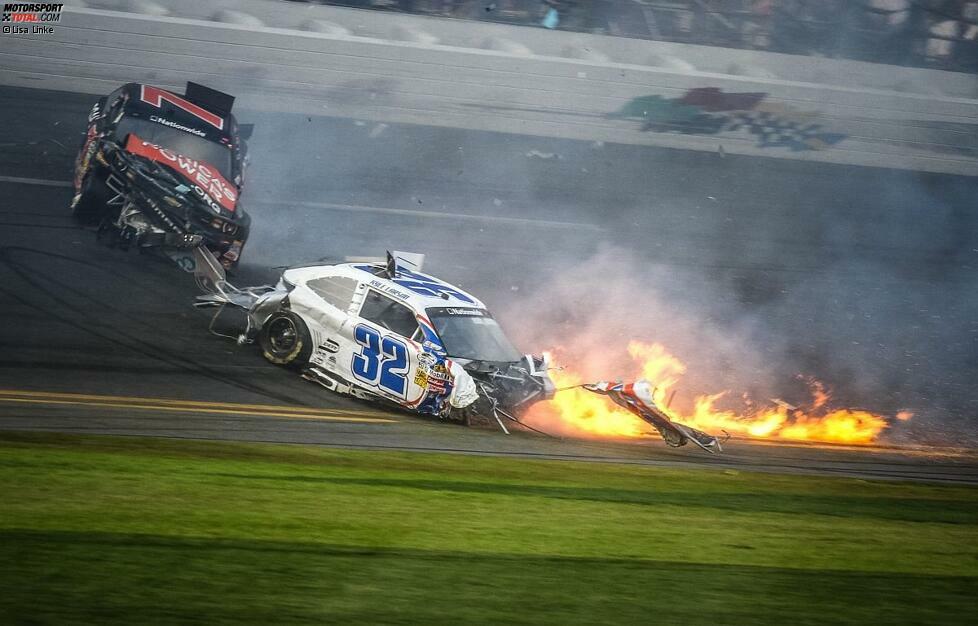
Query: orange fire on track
576	411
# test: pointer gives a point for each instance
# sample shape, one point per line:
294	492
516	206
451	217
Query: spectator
942	32
809	26
756	26
967	57
934	33
881	31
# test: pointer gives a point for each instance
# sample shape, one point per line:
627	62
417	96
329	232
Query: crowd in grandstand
929	33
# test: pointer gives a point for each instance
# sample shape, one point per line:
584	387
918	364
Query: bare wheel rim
283	335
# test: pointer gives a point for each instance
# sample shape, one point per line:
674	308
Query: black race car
159	169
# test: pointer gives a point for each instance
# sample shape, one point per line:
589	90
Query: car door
325	301
385	357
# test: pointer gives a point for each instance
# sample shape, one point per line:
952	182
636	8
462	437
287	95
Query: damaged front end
434	381
508	389
159	209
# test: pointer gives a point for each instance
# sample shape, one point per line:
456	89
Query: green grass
119	530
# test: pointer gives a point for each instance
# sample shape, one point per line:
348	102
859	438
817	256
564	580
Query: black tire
463	416
285	339
91	202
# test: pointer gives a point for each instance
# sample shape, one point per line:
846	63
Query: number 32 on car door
382	361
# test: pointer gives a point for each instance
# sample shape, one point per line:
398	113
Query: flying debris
637	397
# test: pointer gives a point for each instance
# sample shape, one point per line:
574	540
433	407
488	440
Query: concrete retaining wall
542	42
513	81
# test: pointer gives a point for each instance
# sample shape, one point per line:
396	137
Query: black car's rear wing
211	99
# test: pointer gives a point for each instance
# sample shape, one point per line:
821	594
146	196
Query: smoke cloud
753	271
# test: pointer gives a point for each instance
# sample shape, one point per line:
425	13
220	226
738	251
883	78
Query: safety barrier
339	67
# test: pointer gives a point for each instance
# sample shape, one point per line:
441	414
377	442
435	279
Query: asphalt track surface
97	340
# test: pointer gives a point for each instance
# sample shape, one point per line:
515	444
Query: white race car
385	331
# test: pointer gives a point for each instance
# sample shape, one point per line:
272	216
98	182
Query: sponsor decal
30	18
382	361
423	285
439	372
433	376
154	96
439	379
428	344
454	311
428	286
420	284
186	129
204	178
421	379
388	289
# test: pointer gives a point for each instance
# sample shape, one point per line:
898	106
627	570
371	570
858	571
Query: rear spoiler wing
392	263
211	99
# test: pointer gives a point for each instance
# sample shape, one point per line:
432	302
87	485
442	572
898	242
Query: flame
577	412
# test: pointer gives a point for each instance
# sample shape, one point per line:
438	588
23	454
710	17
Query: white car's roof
416	290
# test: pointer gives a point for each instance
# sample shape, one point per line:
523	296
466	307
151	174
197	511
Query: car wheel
90	202
461	416
285	339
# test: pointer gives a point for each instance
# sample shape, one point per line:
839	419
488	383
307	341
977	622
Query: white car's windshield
470	333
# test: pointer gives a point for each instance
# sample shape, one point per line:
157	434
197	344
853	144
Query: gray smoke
753	271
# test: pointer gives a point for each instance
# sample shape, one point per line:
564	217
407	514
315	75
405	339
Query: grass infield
131	530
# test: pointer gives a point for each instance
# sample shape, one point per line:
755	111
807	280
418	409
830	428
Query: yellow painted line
149	407
270	411
165	402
